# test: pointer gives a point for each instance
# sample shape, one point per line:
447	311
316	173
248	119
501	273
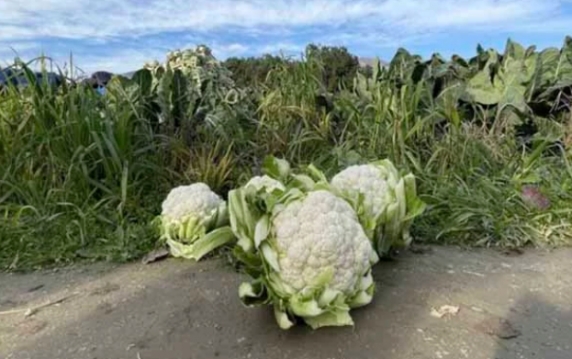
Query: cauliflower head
305	250
195	200
370	181
192	220
385	201
318	234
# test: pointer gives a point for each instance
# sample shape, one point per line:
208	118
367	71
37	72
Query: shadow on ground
543	330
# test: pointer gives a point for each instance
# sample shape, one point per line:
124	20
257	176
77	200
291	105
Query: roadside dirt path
508	307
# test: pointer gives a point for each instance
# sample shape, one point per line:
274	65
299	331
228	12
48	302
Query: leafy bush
82	174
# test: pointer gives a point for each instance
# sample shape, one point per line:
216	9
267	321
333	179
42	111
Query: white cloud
108	18
221	51
367	22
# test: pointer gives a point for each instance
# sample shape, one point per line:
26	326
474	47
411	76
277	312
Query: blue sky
120	35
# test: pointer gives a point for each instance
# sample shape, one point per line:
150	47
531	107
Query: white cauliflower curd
373	182
195	200
319	233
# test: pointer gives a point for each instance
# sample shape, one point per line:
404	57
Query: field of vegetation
488	139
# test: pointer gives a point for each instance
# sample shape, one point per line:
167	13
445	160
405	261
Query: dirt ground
509	306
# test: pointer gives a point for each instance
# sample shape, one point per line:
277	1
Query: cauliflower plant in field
386	202
305	250
192	220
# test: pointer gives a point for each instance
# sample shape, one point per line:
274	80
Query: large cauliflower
321	233
192	221
306	251
386	202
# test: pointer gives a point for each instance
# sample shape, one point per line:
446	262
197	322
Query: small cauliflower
192	220
386	202
306	251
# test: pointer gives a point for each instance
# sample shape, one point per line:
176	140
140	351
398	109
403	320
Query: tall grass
471	174
82	175
75	176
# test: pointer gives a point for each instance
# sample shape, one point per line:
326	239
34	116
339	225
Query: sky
121	35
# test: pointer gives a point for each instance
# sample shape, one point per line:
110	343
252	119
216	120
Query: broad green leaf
508	87
262	230
278	286
303	181
328	296
514	50
204	245
271	256
317	174
241	218
276	168
336	318
305	308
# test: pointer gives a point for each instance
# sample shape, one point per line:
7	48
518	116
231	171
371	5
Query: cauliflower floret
196	200
368	180
318	233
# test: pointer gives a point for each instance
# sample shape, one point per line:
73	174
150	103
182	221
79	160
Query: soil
444	302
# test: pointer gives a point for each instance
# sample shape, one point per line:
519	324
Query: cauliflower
320	233
371	181
192	220
306	251
386	202
195	200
